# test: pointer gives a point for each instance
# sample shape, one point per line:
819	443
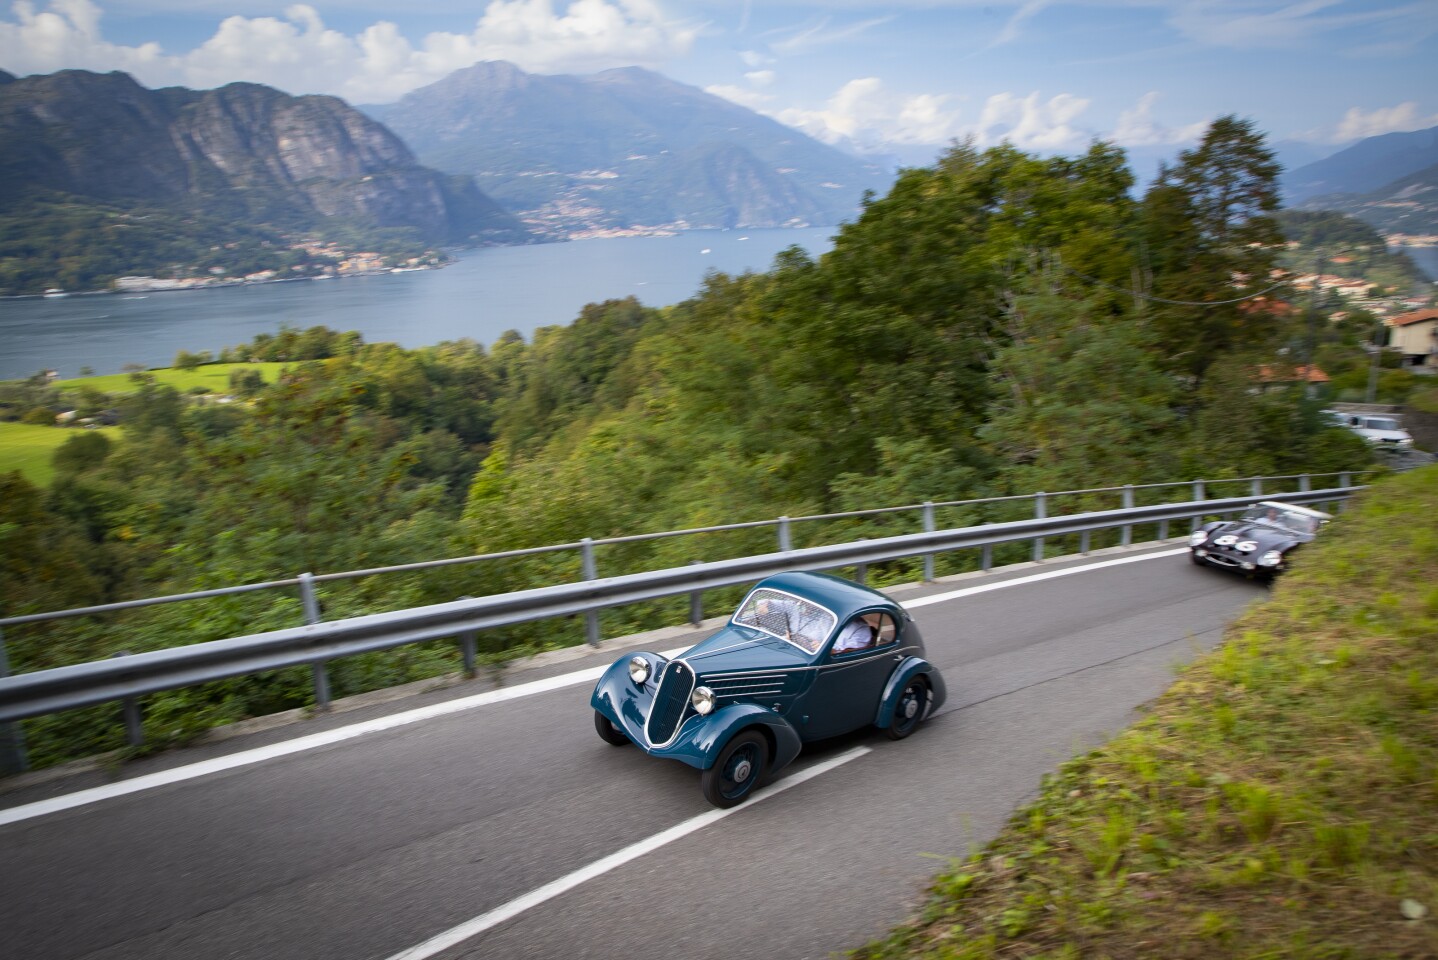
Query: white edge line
246	758
549	891
1035	578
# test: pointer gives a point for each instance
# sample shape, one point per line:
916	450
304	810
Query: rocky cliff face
244	150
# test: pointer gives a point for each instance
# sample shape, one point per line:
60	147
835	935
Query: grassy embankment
1279	801
28	447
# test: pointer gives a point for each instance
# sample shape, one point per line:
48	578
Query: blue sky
903	77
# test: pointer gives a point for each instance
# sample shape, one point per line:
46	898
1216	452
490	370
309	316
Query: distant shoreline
214	285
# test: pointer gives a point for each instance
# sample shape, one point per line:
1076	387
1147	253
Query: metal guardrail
783	527
124	678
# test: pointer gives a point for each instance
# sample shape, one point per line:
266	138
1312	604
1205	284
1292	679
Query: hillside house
1415	335
1279	377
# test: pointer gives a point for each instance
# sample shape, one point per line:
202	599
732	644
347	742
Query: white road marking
1035	578
549	891
260	754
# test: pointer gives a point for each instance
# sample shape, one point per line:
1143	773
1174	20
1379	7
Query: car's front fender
621	700
894	689
703	737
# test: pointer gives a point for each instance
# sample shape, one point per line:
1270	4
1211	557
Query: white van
1378	429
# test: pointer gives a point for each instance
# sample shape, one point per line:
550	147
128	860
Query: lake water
1425	257
480	296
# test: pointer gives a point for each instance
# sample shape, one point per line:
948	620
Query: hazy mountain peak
1365	166
625	148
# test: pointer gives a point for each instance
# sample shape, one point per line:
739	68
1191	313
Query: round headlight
1271	559
638	670
702	700
1197	537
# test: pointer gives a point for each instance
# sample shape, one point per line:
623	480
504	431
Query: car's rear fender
894	689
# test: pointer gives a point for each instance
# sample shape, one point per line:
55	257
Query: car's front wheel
608	732
910	709
737	771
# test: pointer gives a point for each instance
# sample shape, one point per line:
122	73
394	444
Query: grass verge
1279	801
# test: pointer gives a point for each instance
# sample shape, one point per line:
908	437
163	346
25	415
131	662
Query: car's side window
865	632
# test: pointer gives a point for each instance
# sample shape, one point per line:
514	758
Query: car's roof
1308	511
835	593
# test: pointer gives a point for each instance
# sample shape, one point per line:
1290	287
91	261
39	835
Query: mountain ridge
246	149
622	149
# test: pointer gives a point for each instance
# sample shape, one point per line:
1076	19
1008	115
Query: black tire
608	732
909	711
738	770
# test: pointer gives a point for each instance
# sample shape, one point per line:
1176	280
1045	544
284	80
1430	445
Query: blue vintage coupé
806	656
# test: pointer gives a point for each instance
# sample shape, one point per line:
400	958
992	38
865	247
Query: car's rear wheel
737	771
910	709
608	732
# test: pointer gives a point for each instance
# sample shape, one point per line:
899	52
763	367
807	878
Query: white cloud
760	78
1137	128
1030	124
811	36
745	97
1356	124
866	115
1251	24
67	35
1014	27
299	54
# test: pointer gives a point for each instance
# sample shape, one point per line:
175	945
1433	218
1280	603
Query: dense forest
996	323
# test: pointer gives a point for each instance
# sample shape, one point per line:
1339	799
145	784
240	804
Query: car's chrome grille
670	701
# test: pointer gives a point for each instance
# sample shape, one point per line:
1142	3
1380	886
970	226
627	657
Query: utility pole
1310	344
1377	349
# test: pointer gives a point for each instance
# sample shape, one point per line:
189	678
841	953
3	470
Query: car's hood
736	648
1267	537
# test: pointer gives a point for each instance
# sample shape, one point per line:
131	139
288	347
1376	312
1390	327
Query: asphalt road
500	815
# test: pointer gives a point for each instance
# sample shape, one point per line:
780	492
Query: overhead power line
1179	303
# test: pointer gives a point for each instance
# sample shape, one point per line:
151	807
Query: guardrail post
1345	479
1041	512
786	543
986	558
1083	543
1127	505
591	572
1256	488
1303	484
319	672
468	640
12	735
1163	529
928	528
130	709
1198	494
696	602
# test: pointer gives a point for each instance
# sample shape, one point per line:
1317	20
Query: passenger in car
858	633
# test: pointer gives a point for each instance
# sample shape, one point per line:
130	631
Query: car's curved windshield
1279	517
804	624
1380	423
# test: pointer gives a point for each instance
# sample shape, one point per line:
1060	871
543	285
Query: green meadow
29	447
214	376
